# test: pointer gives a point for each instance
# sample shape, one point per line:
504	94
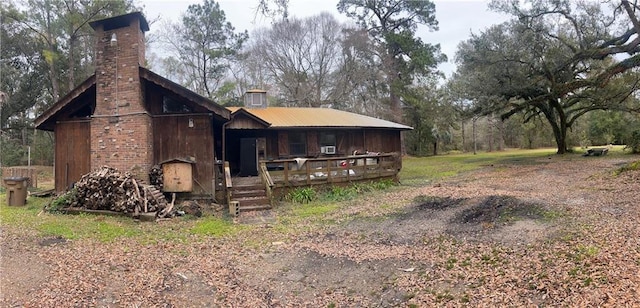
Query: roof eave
63	102
184	92
252	116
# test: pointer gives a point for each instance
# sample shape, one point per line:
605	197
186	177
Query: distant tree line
559	73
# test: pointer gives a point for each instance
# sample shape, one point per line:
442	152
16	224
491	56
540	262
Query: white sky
457	18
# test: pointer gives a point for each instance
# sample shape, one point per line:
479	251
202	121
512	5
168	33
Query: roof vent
255	99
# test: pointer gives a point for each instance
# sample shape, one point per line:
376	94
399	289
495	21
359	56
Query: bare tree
300	57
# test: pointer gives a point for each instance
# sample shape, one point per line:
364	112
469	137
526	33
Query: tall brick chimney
121	134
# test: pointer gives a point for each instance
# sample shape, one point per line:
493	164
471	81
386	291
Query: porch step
239	194
249	208
248	187
251	201
250	194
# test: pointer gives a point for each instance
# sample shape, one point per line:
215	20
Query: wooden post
286	173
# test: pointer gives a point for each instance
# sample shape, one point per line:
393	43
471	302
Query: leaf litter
566	234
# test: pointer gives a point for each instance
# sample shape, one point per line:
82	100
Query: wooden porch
256	193
327	170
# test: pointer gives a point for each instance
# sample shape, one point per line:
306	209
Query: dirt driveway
556	232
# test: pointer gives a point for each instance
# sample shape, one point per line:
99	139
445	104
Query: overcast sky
457	19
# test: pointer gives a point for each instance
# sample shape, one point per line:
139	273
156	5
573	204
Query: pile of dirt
499	209
437	203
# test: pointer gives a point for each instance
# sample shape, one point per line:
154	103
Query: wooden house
128	117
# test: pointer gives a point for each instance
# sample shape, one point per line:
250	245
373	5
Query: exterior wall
120	126
72	142
347	141
378	140
173	138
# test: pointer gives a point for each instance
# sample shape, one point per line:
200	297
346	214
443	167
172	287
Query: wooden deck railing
266	179
309	171
227	181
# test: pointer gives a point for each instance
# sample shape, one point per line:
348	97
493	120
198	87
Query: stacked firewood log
109	189
156	177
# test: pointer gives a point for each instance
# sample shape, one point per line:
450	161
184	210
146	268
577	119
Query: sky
457	18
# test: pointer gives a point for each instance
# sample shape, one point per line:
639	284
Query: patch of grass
302	195
53	228
451	262
628	167
313	210
340	193
582	252
421	170
212	226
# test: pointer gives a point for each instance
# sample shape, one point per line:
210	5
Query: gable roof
42	122
283	117
47	119
185	93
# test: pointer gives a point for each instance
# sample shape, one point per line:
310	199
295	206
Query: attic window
170	105
255	100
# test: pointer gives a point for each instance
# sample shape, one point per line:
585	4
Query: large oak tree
557	59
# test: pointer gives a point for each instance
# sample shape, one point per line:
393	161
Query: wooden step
250	201
259	207
237	194
247	187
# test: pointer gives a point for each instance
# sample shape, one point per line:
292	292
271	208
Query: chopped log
109	189
168	211
156	177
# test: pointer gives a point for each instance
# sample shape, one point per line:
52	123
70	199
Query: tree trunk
463	139
558	125
490	123
475	144
71	62
50	57
396	107
561	140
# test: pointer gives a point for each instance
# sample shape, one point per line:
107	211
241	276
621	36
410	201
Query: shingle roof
282	117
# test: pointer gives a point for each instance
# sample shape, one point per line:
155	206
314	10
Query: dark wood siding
313	147
283	144
386	141
72	152
242	121
173	138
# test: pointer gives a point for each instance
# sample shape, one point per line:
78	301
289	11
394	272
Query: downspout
224	156
224	139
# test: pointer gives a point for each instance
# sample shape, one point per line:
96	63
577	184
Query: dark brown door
73	152
248	157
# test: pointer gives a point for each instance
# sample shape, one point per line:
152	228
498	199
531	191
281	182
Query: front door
248	157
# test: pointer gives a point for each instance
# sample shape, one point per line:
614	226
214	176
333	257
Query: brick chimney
121	134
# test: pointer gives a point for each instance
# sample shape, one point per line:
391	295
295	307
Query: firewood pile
109	189
156	177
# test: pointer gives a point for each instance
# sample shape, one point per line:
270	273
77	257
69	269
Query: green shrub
628	167
62	201
340	193
302	195
634	143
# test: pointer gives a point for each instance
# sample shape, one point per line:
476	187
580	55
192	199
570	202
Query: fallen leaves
381	250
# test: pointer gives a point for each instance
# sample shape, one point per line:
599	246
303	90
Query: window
169	105
327	139
255	100
297	144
